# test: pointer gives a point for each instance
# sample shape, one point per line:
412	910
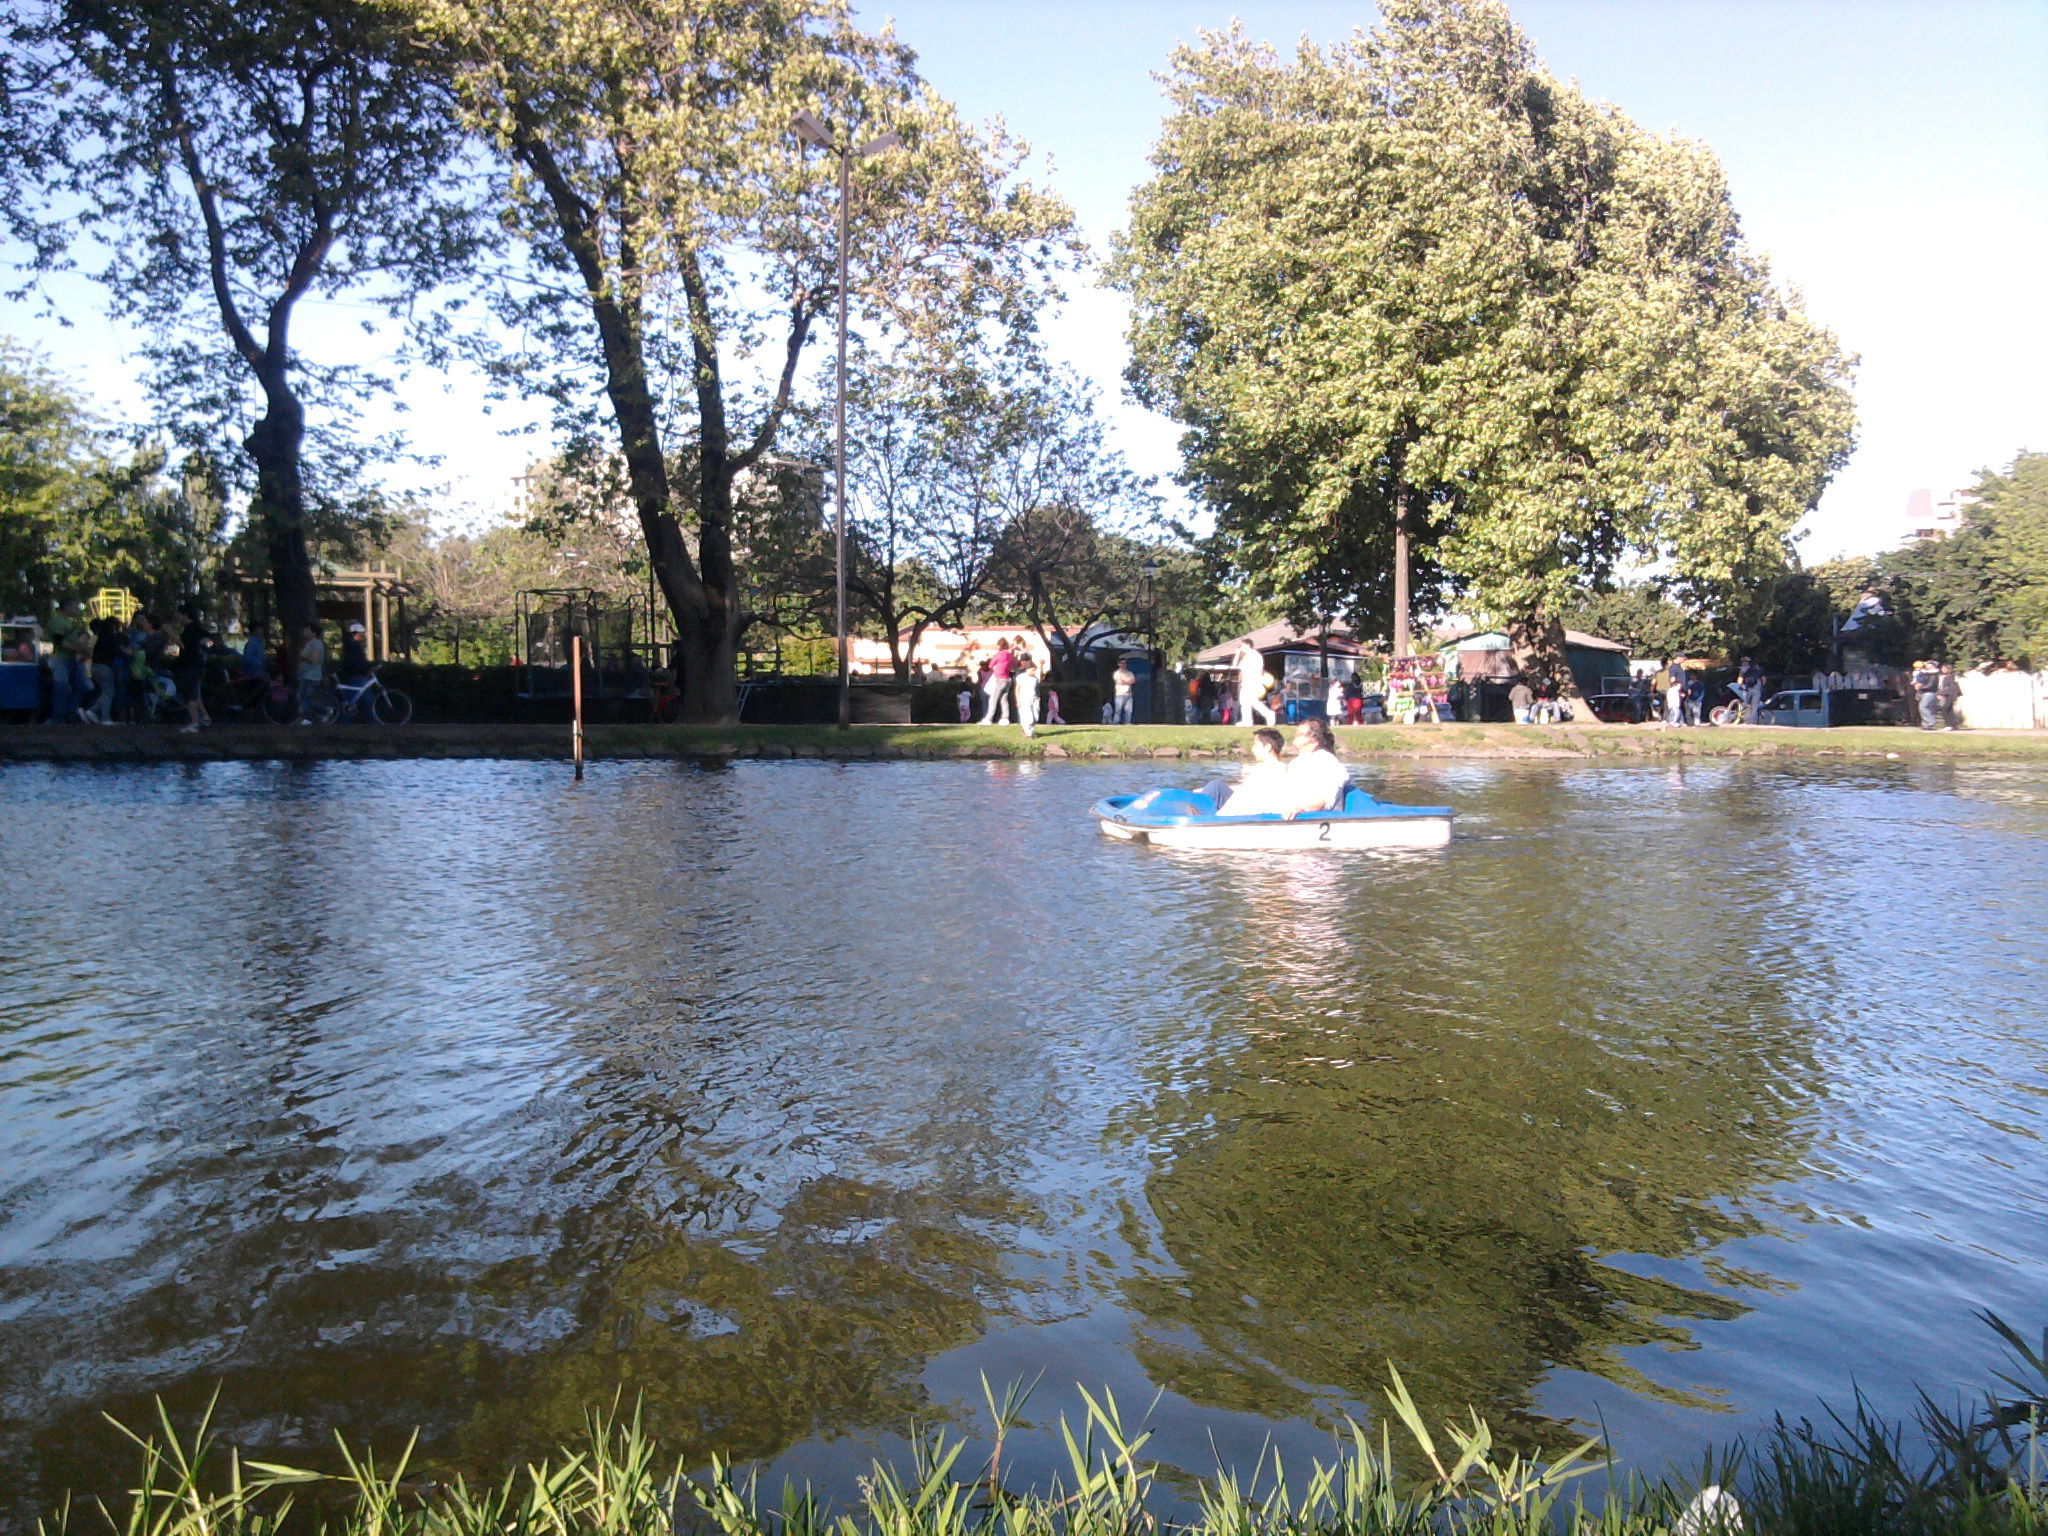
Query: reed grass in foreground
1975	1472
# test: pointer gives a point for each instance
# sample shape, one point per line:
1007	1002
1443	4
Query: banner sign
1410	678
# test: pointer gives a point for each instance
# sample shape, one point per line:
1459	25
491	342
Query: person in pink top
998	684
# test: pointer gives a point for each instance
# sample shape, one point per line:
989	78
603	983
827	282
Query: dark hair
1319	729
1271	738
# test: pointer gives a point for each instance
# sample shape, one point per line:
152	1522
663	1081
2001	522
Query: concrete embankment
115	744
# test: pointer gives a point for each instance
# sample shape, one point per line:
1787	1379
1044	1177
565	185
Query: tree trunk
280	507
1401	568
1539	651
699	592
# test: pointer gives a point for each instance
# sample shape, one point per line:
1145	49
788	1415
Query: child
966	704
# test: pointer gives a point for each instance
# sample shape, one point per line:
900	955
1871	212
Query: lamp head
811	131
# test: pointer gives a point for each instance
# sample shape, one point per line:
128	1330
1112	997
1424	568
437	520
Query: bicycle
1735	712
369	699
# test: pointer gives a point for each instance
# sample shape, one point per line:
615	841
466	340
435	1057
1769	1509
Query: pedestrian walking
1675	683
1000	667
1926	684
1052	705
1254	682
1026	679
1949	691
106	657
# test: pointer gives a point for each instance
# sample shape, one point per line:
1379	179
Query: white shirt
1262	790
1316	778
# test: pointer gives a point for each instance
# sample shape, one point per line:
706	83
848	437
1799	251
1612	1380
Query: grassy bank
82	743
1975	1471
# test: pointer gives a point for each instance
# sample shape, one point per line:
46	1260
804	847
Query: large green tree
1419	304
81	507
55	473
215	165
924	514
683	240
2008	511
1977	594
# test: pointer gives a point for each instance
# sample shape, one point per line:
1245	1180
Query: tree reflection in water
1385	1150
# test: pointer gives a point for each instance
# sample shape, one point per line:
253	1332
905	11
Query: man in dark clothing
1749	682
192	643
1948	689
355	654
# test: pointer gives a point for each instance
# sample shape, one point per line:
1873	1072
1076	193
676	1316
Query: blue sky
1890	156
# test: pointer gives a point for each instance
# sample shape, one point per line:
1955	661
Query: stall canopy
1489	654
1283	639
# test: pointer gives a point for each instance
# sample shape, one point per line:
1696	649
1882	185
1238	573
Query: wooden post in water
576	702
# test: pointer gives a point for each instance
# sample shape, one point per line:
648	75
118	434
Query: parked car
1795	706
1822	707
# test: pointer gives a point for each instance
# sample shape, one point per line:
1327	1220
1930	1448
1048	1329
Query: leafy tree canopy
1644	617
1979	594
81	509
223	163
682	237
1413	278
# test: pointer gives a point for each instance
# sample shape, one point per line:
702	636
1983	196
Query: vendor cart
21	668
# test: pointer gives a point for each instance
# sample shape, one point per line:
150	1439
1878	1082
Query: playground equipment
624	647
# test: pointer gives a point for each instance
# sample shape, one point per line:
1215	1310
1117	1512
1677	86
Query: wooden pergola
374	597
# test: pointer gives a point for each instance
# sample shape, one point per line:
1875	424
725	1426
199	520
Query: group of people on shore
1936	693
104	671
1009	680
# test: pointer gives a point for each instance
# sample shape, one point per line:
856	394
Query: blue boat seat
1174	802
1355	801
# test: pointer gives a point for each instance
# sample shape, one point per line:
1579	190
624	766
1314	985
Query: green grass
1976	1472
1056	741
1354	742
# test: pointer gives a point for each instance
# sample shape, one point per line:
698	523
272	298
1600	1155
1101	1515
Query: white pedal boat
1180	818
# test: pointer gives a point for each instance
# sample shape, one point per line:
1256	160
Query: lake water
799	1097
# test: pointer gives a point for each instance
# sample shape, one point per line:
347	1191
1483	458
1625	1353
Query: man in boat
1262	789
1315	781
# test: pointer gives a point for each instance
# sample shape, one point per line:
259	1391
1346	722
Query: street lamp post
812	131
1145	602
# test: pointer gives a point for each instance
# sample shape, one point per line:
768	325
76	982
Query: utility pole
1400	570
812	131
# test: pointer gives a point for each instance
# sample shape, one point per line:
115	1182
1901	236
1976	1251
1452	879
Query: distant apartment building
1933	515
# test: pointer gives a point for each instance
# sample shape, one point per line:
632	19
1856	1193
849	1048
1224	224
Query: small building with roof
1488	655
